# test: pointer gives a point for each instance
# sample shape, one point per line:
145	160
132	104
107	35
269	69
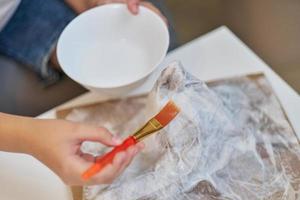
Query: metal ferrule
152	126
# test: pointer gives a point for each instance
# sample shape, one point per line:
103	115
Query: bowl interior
108	47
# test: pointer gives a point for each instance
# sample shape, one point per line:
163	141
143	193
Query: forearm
15	133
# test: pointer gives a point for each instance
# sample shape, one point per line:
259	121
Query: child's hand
56	143
133	5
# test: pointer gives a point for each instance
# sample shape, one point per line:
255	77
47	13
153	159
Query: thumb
100	134
133	6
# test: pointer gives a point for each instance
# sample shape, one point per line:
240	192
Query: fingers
133	6
140	145
131	152
119	164
109	172
98	134
77	164
88	157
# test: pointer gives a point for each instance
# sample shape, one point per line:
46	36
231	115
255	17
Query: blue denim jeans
32	33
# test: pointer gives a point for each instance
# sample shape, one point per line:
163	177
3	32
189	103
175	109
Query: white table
215	55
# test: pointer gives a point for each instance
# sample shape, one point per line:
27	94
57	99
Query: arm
56	143
11	135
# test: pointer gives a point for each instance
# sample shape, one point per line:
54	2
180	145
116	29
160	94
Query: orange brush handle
107	158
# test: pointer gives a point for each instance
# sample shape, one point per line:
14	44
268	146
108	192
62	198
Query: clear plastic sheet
231	140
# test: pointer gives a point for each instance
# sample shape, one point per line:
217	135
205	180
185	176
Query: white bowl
109	50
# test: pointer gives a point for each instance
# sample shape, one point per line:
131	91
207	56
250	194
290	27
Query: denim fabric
31	34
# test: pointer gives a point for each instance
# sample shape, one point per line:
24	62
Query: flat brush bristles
167	113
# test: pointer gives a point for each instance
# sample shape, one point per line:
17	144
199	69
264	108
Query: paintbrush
159	121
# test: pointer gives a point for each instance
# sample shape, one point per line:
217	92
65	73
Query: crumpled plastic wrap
231	140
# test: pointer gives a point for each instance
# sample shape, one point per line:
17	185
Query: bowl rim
99	8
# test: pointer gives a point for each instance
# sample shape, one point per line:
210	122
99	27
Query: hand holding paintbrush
169	111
